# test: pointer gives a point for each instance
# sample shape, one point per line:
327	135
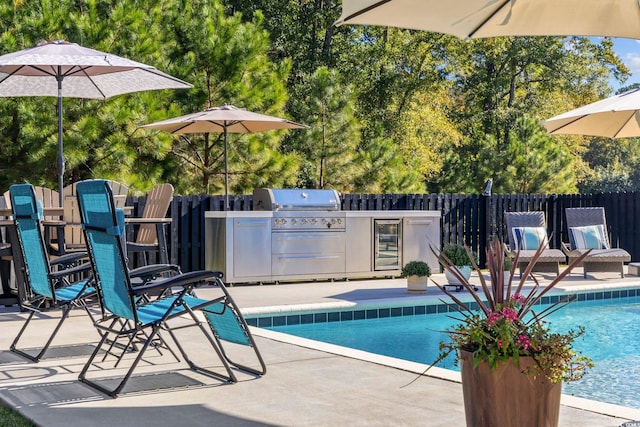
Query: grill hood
268	199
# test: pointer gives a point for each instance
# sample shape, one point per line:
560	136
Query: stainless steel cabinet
252	247
358	245
419	233
308	253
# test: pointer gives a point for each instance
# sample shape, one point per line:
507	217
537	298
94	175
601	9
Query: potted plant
417	274
512	365
458	256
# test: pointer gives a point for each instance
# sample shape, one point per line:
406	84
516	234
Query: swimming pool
612	334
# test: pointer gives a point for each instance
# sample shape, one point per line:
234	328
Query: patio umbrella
614	117
64	69
225	119
482	18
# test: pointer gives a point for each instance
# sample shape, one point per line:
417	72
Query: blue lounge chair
48	288
145	317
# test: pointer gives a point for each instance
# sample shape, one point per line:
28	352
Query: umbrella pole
226	171
60	148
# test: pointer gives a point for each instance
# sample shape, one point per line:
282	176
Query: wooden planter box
505	397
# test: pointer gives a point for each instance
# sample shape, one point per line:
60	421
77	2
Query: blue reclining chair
145	316
47	289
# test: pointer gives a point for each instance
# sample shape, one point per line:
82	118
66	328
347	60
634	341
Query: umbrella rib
157	72
83	70
365	10
241	123
488	18
567	124
35	67
213	122
11	74
182	127
633	112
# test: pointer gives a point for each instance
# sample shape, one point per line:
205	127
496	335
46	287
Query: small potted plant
458	256
417	274
505	348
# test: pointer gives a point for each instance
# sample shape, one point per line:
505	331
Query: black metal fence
466	218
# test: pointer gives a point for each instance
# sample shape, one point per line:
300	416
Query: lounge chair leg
65	313
230	375
116	391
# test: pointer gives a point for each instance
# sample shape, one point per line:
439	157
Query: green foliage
505	326
614	166
329	146
390	110
11	418
534	163
227	62
416	268
458	255
504	84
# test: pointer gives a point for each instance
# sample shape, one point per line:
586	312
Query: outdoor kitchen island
269	246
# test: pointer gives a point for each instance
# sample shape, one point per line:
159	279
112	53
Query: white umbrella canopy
614	117
63	69
494	18
224	119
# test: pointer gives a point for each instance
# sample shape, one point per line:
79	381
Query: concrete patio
307	384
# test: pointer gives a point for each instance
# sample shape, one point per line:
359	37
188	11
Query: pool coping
597	290
336	311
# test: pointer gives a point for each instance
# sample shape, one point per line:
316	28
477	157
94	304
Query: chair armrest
69	260
147	220
508	250
185	280
82	268
148	273
565	248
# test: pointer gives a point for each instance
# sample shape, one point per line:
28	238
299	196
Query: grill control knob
314	221
294	222
324	221
304	221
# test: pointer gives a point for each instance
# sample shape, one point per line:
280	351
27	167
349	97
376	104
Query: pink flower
493	318
519	297
510	314
523	341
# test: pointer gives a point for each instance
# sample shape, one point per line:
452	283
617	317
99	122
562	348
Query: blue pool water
612	340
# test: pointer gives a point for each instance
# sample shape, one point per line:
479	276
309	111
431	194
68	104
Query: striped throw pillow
588	237
529	238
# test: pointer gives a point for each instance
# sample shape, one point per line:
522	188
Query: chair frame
67	233
138	318
151	225
48	289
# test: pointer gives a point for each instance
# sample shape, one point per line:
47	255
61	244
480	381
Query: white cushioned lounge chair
526	231
588	230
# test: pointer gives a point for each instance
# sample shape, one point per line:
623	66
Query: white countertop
345	214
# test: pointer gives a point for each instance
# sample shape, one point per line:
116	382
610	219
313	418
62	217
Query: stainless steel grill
307	230
301	209
294	235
